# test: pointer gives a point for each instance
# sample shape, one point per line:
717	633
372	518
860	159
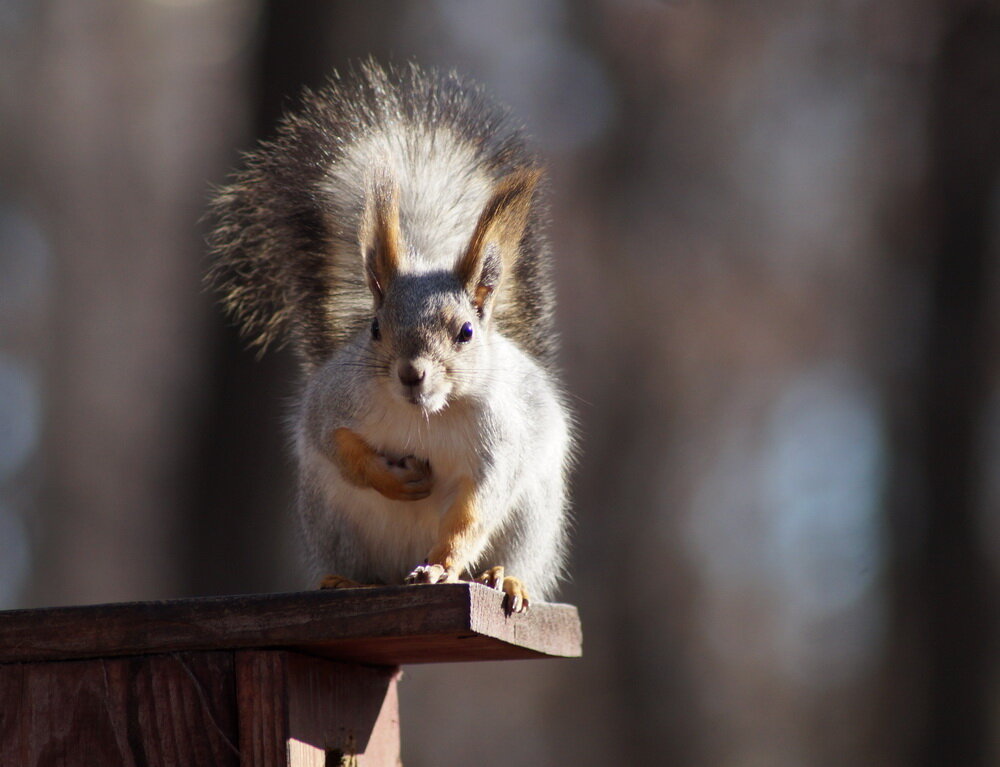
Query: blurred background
776	226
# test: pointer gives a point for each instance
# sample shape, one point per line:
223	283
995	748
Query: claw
426	573
493	578
516	598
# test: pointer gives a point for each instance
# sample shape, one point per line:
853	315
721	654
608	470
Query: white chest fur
399	534
449	440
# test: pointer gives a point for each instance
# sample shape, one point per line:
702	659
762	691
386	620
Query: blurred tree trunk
129	111
241	477
241	492
945	595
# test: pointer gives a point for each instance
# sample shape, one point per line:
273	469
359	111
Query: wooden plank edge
550	628
313	621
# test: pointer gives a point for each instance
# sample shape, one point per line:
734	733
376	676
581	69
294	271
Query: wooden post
296	680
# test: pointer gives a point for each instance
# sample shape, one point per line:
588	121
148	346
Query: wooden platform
279	679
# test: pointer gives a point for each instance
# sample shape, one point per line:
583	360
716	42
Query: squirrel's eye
376	333
465	334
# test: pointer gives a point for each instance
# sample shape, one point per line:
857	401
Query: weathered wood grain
171	710
388	626
300	711
263	711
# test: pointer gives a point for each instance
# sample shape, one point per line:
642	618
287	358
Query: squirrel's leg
517	594
457	535
405	479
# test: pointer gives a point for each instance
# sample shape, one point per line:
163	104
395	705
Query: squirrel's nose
411	372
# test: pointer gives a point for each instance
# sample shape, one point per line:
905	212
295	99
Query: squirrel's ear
379	234
497	236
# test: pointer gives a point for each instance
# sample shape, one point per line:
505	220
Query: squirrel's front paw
517	600
427	573
403	479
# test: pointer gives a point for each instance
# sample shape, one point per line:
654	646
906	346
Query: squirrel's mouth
421	397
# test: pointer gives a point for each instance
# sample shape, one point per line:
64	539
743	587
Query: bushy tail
285	252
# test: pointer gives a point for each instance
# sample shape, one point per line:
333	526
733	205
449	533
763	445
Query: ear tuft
497	236
379	233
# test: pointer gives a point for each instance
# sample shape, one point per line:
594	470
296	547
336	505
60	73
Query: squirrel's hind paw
339	582
517	600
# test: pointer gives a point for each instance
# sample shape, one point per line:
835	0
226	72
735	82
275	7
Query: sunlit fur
511	435
289	259
285	242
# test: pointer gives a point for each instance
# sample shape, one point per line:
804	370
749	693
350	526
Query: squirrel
392	232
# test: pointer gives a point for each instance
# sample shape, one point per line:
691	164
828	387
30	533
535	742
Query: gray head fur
432	344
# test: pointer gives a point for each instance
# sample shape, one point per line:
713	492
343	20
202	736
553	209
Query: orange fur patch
363	466
381	235
457	526
502	223
352	456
